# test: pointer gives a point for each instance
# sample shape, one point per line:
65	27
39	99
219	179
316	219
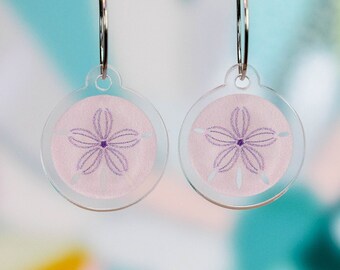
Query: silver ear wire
103	37
242	58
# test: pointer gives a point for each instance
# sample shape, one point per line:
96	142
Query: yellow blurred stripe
75	260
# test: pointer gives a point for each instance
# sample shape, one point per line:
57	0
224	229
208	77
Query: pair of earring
105	147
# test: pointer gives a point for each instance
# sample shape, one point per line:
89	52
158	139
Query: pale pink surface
103	183
324	171
277	156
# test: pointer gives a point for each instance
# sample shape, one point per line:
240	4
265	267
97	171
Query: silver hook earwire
242	58
103	37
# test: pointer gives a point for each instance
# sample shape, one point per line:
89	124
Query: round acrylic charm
104	147
241	145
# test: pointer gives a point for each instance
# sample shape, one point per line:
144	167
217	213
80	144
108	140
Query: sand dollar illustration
104	147
238	148
241	145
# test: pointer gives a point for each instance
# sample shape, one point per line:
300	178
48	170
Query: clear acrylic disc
104	147
241	145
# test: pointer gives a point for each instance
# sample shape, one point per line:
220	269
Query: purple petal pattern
252	159
226	159
102	143
220	136
116	161
240	120
125	138
102	122
82	138
90	161
261	137
239	143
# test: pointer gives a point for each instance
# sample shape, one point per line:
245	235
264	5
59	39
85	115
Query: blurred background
172	52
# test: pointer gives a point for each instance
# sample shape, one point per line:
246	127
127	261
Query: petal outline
116	161
226	160
90	160
125	138
220	136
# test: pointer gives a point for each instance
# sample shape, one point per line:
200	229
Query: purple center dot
240	142
103	144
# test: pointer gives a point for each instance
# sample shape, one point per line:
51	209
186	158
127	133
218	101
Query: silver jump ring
103	37
242	58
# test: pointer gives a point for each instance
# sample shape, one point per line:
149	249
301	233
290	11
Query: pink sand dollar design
104	147
241	145
103	144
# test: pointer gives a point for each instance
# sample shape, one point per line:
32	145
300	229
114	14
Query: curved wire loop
242	45
103	37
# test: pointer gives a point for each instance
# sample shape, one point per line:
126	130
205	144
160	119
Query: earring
241	145
104	147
